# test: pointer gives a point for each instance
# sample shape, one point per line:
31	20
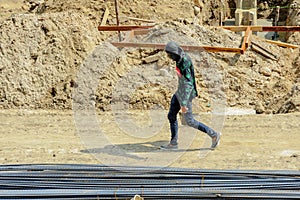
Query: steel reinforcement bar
123	182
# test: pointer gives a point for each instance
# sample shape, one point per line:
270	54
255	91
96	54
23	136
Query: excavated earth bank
48	55
42	51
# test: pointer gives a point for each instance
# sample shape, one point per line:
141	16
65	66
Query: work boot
215	141
169	146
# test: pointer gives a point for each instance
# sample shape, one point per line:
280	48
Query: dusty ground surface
44	43
259	142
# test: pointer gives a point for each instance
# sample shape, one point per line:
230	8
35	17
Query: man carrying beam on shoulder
182	99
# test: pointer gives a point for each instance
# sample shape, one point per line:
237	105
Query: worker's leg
189	118
172	116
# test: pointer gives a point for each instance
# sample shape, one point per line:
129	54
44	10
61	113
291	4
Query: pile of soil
45	44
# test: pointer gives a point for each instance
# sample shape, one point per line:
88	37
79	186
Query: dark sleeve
186	84
185	68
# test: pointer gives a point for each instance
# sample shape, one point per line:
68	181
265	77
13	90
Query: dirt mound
42	51
39	57
154	10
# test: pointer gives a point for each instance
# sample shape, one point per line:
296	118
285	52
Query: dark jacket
186	90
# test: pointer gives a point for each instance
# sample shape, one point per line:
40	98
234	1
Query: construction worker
182	99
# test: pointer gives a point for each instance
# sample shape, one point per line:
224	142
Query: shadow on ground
129	150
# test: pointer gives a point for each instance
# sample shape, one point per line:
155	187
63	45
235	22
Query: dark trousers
189	118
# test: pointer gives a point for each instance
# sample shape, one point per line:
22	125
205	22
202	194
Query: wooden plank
185	47
282	44
105	16
263	28
139	19
129	37
266	50
212	49
141	31
246	40
235	28
122	28
138	45
263	52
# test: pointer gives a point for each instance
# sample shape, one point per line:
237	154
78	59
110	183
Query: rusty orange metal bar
185	47
263	28
122	28
139	30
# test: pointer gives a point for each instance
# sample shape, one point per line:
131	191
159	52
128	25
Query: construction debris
105	16
263	51
151	59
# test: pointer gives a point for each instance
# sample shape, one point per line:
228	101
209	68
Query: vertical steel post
276	35
117	16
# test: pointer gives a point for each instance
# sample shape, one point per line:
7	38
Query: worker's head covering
174	51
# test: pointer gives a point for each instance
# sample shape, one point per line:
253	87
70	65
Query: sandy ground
260	142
